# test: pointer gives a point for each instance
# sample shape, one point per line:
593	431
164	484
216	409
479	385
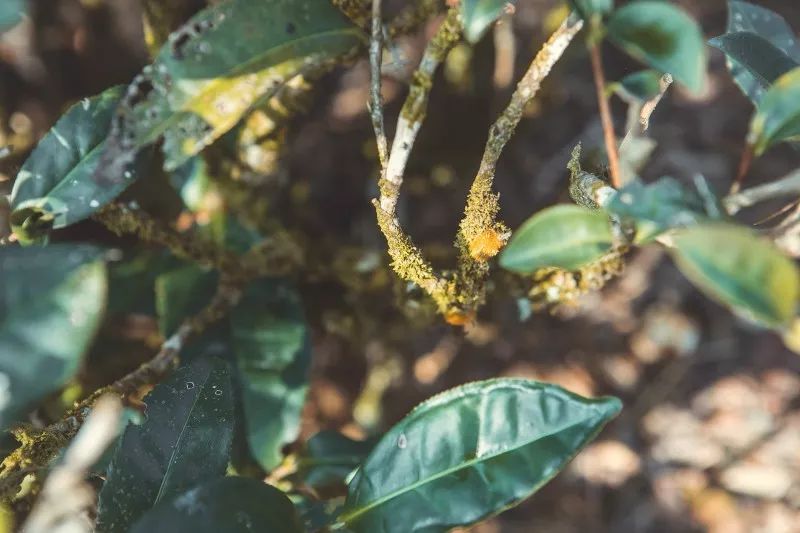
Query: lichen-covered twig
407	259
376	100
480	235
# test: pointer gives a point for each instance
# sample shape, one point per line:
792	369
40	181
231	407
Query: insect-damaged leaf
273	353
469	453
777	117
51	302
564	236
478	15
229	505
735	266
664	37
184	441
217	67
54	188
754	68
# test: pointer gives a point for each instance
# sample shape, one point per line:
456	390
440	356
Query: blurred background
709	439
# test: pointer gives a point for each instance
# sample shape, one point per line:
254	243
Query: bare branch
605	115
376	100
786	186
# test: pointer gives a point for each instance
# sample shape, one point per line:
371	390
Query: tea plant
206	119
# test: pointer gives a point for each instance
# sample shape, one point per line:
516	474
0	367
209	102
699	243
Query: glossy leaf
51	303
478	15
11	13
229	505
736	267
330	457
54	188
470	453
664	37
747	17
778	115
564	236
755	63
184	441
587	8
217	67
273	353
659	206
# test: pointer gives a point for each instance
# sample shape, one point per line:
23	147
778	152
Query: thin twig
744	167
605	114
376	100
786	186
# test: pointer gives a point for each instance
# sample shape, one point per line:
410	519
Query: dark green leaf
273	352
213	70
587	8
736	267
777	117
642	85
754	73
478	15
11	12
51	302
564	236
181	293
469	453
329	457
664	37
228	505
754	62
54	188
659	206
185	441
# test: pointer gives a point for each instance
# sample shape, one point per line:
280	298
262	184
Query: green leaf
659	206
181	293
330	457
229	505
736	267
642	85
11	13
51	303
746	17
754	62
185	441
564	236
55	187
777	117
470	453
587	8
664	37
273	353
478	15
223	62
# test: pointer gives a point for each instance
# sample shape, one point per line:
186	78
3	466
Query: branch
376	100
480	236
605	114
786	186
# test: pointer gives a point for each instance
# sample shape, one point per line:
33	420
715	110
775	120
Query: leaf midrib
349	517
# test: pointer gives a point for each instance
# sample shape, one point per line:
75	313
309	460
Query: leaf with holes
217	67
754	68
185	440
564	236
230	505
664	37
777	117
735	266
51	303
273	353
478	15
470	453
54	188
